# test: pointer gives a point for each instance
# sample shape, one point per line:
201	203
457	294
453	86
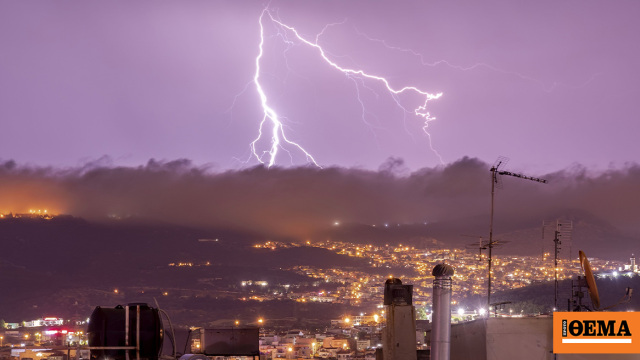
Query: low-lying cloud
300	201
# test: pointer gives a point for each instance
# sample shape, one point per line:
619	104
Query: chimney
399	335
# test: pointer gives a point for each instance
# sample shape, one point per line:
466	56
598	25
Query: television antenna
495	181
483	245
479	245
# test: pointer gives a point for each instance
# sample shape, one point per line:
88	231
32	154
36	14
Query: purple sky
546	83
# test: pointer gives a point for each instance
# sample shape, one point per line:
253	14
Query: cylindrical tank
441	317
108	327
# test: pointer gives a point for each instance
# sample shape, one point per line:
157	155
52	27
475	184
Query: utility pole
495	171
557	242
563	230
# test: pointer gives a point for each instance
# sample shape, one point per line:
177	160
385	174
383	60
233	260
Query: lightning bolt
271	123
546	88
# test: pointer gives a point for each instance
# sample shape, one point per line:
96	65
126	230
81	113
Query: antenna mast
563	229
557	242
495	171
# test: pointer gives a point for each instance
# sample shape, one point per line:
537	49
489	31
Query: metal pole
126	330
580	282
572	301
556	241
138	332
493	186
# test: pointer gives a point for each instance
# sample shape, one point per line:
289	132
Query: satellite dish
591	281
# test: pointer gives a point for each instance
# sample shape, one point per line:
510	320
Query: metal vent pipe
441	317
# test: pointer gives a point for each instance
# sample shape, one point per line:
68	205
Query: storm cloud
300	201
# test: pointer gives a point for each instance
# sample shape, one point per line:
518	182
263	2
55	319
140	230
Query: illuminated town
31	214
413	265
509	272
352	335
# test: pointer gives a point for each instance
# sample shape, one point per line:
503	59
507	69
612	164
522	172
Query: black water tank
107	327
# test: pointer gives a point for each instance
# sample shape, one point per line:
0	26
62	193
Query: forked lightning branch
271	126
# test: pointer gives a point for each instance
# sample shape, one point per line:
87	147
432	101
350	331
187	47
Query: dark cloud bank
301	202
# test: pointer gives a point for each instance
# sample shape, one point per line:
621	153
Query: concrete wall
468	341
519	338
